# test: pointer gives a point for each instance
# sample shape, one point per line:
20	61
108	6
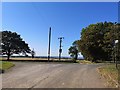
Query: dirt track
44	75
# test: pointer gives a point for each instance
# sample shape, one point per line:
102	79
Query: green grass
4	65
110	73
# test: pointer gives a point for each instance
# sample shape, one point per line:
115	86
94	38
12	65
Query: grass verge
4	65
84	62
110	73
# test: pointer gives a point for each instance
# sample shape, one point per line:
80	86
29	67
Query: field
32	59
46	60
27	59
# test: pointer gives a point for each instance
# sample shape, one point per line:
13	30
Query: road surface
52	75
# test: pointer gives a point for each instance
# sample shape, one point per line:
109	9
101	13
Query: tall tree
97	41
12	43
73	50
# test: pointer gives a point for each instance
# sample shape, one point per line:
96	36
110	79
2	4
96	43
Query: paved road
41	75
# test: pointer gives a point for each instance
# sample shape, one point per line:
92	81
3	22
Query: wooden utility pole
49	44
60	49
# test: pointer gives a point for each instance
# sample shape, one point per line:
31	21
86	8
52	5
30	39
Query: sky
32	21
60	0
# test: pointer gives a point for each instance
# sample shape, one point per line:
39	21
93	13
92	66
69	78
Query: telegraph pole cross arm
60	49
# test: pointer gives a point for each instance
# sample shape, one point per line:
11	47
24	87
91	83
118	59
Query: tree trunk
76	56
114	60
8	56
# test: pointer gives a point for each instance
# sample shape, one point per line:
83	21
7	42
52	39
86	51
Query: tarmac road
52	75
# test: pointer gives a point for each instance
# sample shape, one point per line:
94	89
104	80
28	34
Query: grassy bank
4	65
110	73
84	62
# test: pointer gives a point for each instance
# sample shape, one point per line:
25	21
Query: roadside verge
110	73
4	65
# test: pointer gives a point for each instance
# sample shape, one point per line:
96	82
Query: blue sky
32	21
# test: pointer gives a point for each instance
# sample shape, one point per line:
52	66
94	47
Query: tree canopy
73	50
12	43
97	41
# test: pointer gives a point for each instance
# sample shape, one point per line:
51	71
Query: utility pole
49	44
116	52
60	49
116	49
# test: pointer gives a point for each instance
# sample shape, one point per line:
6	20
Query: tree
96	42
73	50
12	43
91	41
33	53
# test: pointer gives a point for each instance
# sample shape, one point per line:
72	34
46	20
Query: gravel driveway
52	75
